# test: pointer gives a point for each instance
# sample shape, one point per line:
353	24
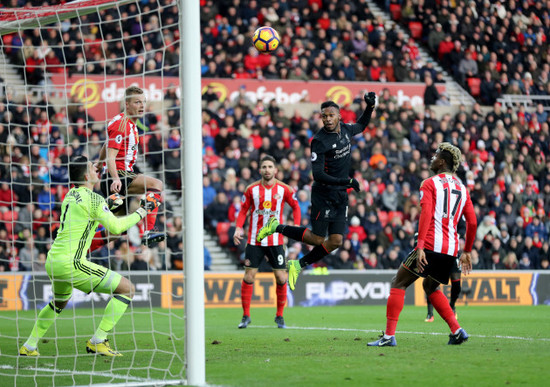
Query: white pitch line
87	373
402	332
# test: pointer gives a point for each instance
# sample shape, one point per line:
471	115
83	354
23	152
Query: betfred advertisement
292	92
102	95
492	288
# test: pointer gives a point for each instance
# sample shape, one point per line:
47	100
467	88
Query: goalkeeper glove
114	201
370	99
352	183
149	202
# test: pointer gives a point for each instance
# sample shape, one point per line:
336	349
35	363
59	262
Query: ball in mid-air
266	39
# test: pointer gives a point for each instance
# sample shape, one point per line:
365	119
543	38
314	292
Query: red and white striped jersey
444	199
123	135
265	202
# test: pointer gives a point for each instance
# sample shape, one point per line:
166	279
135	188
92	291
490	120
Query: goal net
63	72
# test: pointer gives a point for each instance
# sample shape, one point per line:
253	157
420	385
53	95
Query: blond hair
454	151
132	90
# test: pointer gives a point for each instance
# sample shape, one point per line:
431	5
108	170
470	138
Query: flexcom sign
292	92
344	288
101	95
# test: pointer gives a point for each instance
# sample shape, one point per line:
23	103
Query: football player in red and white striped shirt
265	198
120	153
444	200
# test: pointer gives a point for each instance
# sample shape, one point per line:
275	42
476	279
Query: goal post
191	112
156	46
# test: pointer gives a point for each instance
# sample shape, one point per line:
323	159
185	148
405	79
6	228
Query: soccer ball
266	39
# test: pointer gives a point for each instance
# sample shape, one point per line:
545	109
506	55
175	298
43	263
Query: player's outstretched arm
118	225
363	121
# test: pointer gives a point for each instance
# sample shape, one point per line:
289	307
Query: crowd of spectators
506	151
497	47
506	167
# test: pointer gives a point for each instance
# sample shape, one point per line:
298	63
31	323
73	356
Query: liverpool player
330	162
120	153
444	199
265	199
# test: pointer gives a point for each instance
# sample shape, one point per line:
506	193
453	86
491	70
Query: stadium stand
506	148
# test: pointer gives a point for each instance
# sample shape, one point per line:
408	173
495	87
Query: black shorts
255	254
439	266
126	178
329	211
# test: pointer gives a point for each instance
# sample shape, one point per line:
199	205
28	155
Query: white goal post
95	81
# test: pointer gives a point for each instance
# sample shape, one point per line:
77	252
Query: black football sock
455	292
430	308
294	232
316	254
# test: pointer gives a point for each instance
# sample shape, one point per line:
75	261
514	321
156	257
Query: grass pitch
322	346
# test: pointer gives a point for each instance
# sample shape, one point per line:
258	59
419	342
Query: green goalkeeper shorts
83	275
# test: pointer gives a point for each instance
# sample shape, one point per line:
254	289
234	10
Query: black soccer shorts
439	266
255	254
329	211
126	178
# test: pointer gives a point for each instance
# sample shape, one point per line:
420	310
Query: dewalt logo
9	289
488	289
220	291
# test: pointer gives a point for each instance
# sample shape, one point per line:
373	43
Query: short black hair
268	158
78	167
448	158
329	104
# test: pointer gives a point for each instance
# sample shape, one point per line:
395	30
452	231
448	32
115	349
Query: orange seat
395	11
474	86
222	230
416	29
383	218
395	214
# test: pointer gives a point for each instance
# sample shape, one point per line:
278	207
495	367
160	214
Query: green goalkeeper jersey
81	212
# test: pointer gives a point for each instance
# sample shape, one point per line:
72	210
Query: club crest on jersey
266	204
277	196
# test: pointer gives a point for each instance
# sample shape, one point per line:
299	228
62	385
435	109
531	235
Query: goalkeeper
81	212
330	163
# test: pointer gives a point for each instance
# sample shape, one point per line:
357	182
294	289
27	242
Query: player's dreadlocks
451	154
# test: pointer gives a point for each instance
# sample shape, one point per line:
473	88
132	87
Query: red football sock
396	300
246	297
441	304
151	218
281	298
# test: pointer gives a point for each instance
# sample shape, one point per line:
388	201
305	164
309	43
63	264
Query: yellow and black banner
10	285
220	290
489	288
